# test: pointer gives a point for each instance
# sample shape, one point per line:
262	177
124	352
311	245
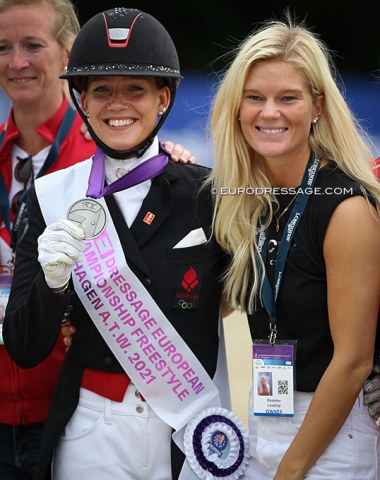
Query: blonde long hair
337	136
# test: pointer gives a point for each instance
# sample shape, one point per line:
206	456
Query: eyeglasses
23	172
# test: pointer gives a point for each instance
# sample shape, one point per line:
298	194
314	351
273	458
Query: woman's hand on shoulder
178	153
85	132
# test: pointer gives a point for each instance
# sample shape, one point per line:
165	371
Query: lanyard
146	170
64	128
4	196
303	195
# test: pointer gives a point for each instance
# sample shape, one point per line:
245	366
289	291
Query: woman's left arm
352	256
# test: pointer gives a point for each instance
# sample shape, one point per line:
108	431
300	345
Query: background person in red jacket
376	168
41	135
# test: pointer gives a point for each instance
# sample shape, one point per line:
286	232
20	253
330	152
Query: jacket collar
47	130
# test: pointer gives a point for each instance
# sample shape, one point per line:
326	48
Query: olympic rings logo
185	305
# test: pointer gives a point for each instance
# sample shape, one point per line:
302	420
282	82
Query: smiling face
31	59
123	110
277	111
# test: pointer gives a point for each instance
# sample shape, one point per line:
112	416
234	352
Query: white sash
150	350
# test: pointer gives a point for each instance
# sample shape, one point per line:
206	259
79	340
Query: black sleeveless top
302	300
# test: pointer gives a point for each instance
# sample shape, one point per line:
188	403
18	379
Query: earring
162	111
318	116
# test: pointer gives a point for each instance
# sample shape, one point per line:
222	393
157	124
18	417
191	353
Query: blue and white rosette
216	445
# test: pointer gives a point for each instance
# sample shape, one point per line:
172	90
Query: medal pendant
90	215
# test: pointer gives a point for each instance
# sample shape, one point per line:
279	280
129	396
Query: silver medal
90	215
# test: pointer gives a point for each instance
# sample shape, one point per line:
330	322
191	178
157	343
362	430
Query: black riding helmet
123	41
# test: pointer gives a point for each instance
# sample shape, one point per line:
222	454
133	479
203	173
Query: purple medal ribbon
146	170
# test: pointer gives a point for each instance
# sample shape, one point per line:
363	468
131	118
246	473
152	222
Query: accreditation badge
273	379
5	288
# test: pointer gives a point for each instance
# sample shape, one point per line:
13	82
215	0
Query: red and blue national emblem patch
188	287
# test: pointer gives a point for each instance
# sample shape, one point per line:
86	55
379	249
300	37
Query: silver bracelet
62	290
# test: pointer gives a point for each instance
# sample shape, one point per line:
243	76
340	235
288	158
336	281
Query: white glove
59	248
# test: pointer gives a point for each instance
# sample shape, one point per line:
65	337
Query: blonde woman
297	206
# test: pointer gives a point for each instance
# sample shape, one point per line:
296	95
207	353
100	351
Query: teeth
120	123
22	80
273	130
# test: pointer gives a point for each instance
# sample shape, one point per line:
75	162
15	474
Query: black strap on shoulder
4	200
64	129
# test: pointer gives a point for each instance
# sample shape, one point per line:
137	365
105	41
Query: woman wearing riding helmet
148	252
